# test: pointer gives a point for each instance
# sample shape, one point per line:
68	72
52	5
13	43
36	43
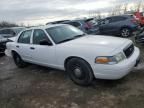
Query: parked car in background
140	38
83	56
89	26
123	25
8	34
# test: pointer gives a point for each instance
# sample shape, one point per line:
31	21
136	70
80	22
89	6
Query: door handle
17	46
32	48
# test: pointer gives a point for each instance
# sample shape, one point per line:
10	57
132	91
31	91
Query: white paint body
88	48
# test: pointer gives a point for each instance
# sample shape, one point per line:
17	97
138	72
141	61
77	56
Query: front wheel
18	61
79	71
125	32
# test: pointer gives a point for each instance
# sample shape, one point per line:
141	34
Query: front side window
38	36
62	33
25	37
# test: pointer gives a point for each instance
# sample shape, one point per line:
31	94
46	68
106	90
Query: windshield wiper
81	35
66	40
77	36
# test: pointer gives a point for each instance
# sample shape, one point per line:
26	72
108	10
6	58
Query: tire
18	61
79	71
125	32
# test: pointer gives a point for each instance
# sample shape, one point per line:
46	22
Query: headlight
110	59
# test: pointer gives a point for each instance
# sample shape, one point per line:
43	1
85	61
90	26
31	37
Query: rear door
23	45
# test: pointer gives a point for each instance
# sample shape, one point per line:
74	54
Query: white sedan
82	56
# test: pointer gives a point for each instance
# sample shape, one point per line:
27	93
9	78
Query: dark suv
123	25
89	26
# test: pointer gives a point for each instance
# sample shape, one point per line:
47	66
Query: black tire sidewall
21	63
85	68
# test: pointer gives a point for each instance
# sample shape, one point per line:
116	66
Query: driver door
42	54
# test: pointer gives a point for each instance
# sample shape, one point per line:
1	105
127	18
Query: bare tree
125	8
7	24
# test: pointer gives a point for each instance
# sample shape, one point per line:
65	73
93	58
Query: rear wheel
18	61
125	32
79	71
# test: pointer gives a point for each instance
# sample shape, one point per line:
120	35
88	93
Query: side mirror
45	42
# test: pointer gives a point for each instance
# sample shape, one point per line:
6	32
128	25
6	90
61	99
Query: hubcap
78	72
125	33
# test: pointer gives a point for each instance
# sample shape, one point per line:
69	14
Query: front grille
129	51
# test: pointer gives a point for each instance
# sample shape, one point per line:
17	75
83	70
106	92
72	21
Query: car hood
12	39
100	41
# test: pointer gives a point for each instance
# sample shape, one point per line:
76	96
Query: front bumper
119	70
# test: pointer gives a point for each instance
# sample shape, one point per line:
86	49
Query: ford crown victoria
84	57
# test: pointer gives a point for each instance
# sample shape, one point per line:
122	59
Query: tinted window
75	24
1	31
106	21
61	33
25	37
115	19
18	30
7	31
38	36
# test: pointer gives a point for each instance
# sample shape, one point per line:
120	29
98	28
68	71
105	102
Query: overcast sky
41	11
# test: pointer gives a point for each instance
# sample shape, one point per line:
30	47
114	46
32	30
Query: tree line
4	24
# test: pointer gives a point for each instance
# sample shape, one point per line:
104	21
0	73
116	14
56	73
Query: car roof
124	15
45	26
11	28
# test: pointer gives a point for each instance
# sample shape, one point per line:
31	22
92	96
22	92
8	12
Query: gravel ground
40	87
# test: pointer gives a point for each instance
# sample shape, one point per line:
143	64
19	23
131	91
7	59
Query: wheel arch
71	57
13	52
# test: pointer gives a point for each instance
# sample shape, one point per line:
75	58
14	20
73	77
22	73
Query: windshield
64	33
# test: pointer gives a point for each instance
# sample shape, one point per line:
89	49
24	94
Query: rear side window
38	36
1	31
25	37
117	18
7	31
75	24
